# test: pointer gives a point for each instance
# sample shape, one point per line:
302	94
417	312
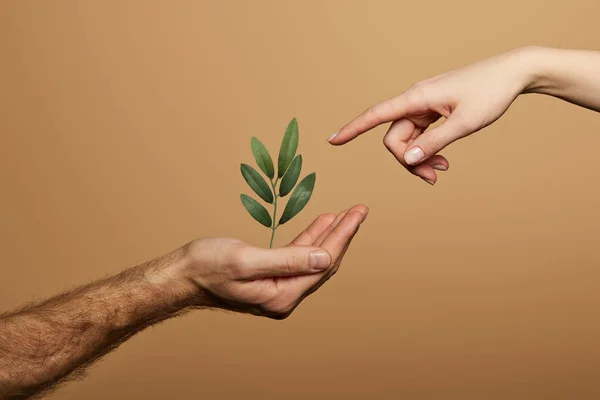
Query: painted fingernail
414	155
429	181
332	137
319	260
440	167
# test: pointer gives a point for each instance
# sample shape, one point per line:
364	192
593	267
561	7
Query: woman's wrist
537	64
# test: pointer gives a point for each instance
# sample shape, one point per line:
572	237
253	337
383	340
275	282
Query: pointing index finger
389	110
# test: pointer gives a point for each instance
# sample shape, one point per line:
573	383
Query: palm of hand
272	282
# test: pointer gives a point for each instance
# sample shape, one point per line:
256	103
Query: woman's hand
472	98
233	275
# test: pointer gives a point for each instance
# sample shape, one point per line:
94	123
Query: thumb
286	261
431	142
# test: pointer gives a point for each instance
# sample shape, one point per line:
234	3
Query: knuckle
434	143
418	89
389	142
291	264
327	216
373	113
381	108
369	112
237	263
467	123
418	93
416	86
339	236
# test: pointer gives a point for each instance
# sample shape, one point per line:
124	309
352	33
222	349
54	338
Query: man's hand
472	98
271	282
46	343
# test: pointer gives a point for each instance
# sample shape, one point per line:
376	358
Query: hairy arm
42	344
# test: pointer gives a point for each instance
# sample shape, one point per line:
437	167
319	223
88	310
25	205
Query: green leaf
299	198
257	183
291	176
289	145
262	157
257	211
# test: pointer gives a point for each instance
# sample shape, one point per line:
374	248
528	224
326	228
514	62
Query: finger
336	243
433	141
326	232
427	169
390	110
314	230
341	235
438	162
400	135
258	263
360	208
315	284
336	228
336	265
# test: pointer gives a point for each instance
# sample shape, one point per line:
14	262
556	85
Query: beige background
122	128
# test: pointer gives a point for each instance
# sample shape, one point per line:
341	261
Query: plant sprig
289	166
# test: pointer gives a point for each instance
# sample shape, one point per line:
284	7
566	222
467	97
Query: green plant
289	166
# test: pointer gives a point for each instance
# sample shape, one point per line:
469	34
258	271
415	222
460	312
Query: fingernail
320	260
414	155
440	167
429	181
331	137
364	216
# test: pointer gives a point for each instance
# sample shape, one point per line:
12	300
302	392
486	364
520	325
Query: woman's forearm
571	75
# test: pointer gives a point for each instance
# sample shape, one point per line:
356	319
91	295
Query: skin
471	98
44	344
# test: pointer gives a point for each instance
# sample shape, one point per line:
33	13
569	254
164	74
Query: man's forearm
571	75
42	344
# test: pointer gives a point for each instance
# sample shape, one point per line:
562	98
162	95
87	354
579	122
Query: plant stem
274	224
